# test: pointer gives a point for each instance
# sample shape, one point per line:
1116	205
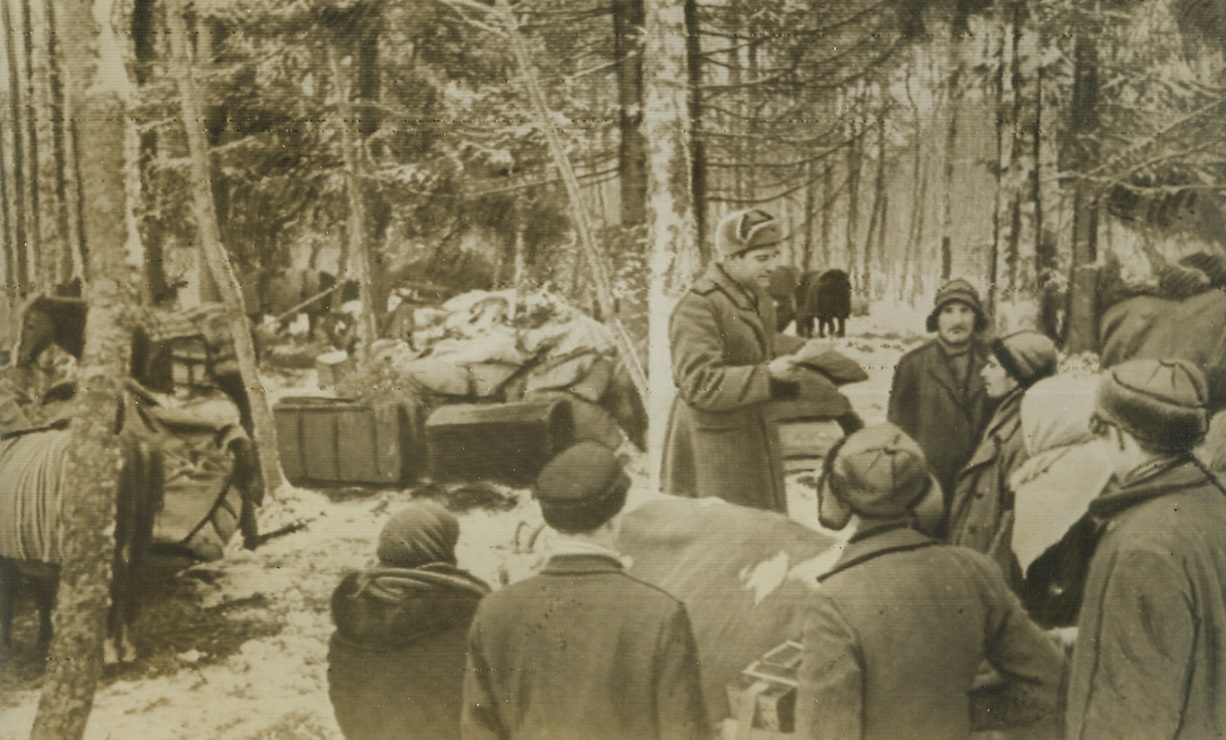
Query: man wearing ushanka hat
721	335
1150	658
895	635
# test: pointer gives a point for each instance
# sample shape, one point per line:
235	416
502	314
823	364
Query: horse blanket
743	574
31	491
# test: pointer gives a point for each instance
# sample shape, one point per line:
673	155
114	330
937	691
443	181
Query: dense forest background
906	141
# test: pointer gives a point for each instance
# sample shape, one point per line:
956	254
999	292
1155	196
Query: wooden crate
336	441
504	442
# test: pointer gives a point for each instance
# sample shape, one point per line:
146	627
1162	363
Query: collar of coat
1006	423
870	543
941	371
715	278
581	565
1173	475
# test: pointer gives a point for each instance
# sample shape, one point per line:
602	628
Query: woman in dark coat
396	660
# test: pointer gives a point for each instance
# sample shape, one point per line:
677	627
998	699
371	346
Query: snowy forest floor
237	648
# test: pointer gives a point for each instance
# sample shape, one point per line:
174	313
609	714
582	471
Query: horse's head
50	320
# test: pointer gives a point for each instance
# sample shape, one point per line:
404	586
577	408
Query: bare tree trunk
632	149
218	260
876	218
1003	143
806	258
1082	325
70	263
42	276
853	197
953	100
21	275
355	170
696	121
75	658
827	213
672	212
10	241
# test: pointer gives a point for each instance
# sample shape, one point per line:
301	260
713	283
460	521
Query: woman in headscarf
396	660
1065	470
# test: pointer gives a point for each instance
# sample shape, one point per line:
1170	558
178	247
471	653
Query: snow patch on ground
275	685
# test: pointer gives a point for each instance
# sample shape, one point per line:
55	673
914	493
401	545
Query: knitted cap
741	231
582	488
960	291
1161	403
880	472
421	533
1027	356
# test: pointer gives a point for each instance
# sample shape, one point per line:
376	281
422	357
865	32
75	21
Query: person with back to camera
981	513
583	650
896	633
938	397
396	660
720	441
1150	659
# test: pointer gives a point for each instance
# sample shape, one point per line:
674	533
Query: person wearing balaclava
396	659
937	395
981	511
894	636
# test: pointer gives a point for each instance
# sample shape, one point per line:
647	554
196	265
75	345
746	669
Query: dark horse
57	320
825	296
30	465
139	493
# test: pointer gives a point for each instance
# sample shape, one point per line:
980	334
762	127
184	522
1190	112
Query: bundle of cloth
504	346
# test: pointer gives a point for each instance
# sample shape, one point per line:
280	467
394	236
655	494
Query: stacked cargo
488	386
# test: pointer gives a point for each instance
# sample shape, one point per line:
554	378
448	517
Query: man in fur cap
583	650
981	515
1150	660
938	397
895	636
720	442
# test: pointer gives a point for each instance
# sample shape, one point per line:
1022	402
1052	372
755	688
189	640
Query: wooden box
336	441
764	696
504	442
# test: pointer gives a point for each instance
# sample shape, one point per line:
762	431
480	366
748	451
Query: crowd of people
947	611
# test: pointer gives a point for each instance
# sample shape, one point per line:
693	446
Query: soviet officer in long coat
896	634
937	396
720	442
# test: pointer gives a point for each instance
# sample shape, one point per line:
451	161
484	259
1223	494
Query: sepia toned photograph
613	369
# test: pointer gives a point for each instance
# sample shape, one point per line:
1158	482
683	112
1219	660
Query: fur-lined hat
878	472
741	231
1161	403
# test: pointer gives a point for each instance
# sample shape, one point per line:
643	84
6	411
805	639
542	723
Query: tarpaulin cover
743	574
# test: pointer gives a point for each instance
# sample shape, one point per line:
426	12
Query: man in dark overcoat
895	635
981	514
1150	659
719	441
583	650
937	396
